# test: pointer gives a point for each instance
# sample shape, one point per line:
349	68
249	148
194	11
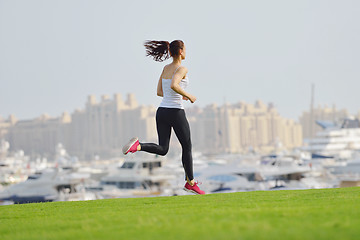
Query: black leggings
167	118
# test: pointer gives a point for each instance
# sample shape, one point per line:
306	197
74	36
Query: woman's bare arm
175	84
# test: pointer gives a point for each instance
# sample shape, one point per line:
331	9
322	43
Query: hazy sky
53	54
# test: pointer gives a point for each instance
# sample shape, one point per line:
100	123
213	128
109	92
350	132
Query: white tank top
172	99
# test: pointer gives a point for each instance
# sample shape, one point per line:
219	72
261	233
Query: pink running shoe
131	146
193	189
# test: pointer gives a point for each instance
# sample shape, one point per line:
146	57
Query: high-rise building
242	127
38	136
5	124
100	129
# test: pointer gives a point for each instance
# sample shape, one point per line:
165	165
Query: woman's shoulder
183	68
165	67
180	68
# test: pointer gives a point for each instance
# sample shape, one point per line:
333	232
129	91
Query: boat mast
312	112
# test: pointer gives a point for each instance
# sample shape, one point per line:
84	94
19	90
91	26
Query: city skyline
187	105
104	123
51	58
103	126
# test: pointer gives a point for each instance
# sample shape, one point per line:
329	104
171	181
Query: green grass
305	214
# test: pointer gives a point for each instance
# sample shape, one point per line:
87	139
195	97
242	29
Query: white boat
335	141
346	170
256	173
47	186
13	168
135	178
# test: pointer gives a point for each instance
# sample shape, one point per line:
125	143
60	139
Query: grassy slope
307	214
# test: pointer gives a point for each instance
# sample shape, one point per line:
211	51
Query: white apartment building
242	127
100	129
5	124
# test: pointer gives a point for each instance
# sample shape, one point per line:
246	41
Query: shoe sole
192	191
127	147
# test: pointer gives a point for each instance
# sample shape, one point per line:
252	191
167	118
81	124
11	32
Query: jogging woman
170	114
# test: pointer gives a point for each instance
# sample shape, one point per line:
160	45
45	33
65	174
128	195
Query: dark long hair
162	50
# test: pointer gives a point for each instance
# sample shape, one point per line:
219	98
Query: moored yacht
135	178
47	186
335	141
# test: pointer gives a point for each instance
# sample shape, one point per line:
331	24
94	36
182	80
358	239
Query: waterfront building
38	136
98	130
242	127
103	127
5	124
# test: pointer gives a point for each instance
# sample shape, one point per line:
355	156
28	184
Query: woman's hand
192	98
185	98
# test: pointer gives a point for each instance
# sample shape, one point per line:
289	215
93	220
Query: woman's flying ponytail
162	50
159	50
